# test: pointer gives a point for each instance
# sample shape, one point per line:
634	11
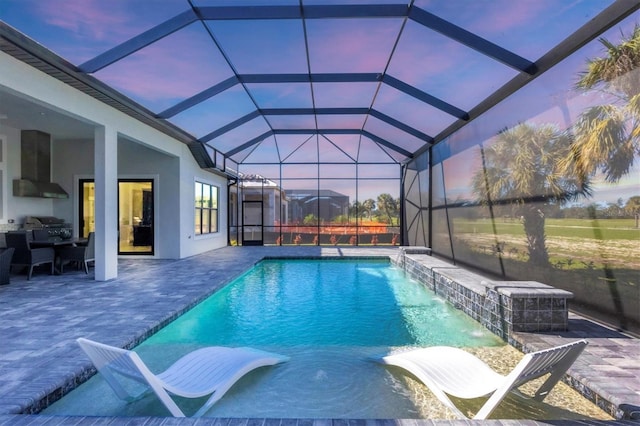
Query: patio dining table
56	244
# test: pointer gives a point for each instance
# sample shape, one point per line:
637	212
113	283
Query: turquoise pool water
329	316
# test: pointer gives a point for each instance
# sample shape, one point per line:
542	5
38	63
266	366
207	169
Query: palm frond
601	131
525	162
634	111
614	68
620	163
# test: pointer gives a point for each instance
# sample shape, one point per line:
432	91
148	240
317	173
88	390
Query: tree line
384	209
618	210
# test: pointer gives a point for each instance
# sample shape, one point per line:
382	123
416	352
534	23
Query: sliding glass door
86	196
135	214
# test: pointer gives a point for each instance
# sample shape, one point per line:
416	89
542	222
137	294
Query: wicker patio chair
82	255
24	255
5	264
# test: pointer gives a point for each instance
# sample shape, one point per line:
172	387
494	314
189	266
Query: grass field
571	243
597	260
603	229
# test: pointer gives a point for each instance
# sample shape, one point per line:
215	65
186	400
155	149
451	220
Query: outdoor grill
55	226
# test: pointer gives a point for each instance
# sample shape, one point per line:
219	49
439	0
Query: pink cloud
341	121
351	45
263	46
169	69
411	111
273	95
95	19
459	169
526	27
104	24
490	16
429	53
344	94
508	15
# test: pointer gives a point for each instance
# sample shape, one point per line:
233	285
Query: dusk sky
203	54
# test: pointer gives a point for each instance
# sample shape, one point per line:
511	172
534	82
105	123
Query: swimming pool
329	316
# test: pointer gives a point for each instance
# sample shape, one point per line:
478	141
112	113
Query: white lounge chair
452	371
211	370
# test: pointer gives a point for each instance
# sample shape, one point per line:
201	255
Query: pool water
329	316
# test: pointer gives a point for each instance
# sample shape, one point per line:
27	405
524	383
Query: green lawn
601	229
597	260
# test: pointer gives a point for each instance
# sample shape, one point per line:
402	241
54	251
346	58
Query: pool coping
48	293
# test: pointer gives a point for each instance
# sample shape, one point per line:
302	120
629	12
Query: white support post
106	203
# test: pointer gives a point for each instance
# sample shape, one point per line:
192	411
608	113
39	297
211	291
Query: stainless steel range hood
29	188
35	159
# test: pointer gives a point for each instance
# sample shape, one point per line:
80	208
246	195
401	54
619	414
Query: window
206	203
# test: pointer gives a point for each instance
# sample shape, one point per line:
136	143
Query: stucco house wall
142	151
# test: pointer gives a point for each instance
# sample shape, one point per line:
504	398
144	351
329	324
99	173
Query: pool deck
40	320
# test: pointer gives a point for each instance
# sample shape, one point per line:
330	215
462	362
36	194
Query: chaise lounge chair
451	371
211	370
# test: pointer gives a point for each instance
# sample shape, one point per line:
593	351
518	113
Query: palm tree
387	205
355	210
524	169
608	136
369	205
632	207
